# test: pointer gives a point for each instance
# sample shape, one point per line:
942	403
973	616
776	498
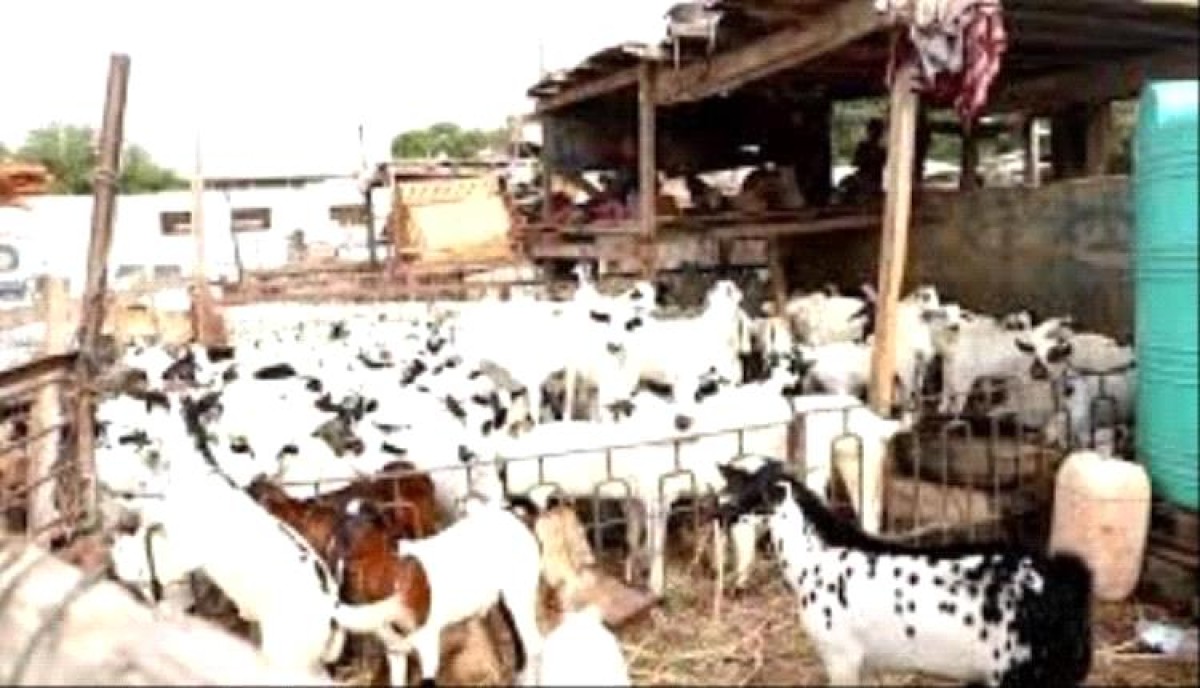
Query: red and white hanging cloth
957	47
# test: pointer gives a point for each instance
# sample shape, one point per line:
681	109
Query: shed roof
841	45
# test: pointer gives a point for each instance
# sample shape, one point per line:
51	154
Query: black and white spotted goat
987	615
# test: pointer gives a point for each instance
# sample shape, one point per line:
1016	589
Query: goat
486	557
581	651
985	614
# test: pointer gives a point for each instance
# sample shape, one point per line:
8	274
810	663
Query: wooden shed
1056	241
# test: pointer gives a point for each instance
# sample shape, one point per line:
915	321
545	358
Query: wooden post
894	244
647	168
777	275
96	290
1033	153
47	411
205	325
1099	139
968	161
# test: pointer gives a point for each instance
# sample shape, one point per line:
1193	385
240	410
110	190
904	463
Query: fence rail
40	488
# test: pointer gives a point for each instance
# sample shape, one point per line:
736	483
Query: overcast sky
281	86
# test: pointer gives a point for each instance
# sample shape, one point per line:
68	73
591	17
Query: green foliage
68	152
4	153
446	138
140	174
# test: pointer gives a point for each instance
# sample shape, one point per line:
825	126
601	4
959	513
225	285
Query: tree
140	174
68	152
4	154
445	138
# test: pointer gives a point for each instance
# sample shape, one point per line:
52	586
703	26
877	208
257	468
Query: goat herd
308	472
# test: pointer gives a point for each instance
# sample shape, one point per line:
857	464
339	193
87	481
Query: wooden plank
894	245
647	166
1109	81
572	94
843	23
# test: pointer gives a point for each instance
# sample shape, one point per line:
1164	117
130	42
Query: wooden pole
776	274
205	326
95	295
894	244
58	627
1033	153
647	167
968	161
47	411
1099	139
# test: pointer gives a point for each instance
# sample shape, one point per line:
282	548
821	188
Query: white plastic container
1102	513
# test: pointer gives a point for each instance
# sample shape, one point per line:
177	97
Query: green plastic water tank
1165	269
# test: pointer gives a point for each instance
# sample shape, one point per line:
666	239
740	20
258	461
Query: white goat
486	557
581	651
268	570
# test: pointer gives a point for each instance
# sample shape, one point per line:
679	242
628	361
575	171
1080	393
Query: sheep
486	557
985	614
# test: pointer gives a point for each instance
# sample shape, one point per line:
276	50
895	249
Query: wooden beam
647	166
968	161
95	295
849	20
1099	139
1033	153
572	94
1100	83
894	245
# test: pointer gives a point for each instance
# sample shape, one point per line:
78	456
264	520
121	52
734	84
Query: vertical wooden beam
202	305
47	410
968	161
1099	139
647	167
112	132
777	274
1033	152
894	244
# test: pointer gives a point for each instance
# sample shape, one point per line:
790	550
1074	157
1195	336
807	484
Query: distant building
247	220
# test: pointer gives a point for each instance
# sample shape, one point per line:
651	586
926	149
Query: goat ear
1024	346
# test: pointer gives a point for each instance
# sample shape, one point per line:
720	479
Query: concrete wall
1061	248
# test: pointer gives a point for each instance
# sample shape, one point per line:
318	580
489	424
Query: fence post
47	414
96	294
